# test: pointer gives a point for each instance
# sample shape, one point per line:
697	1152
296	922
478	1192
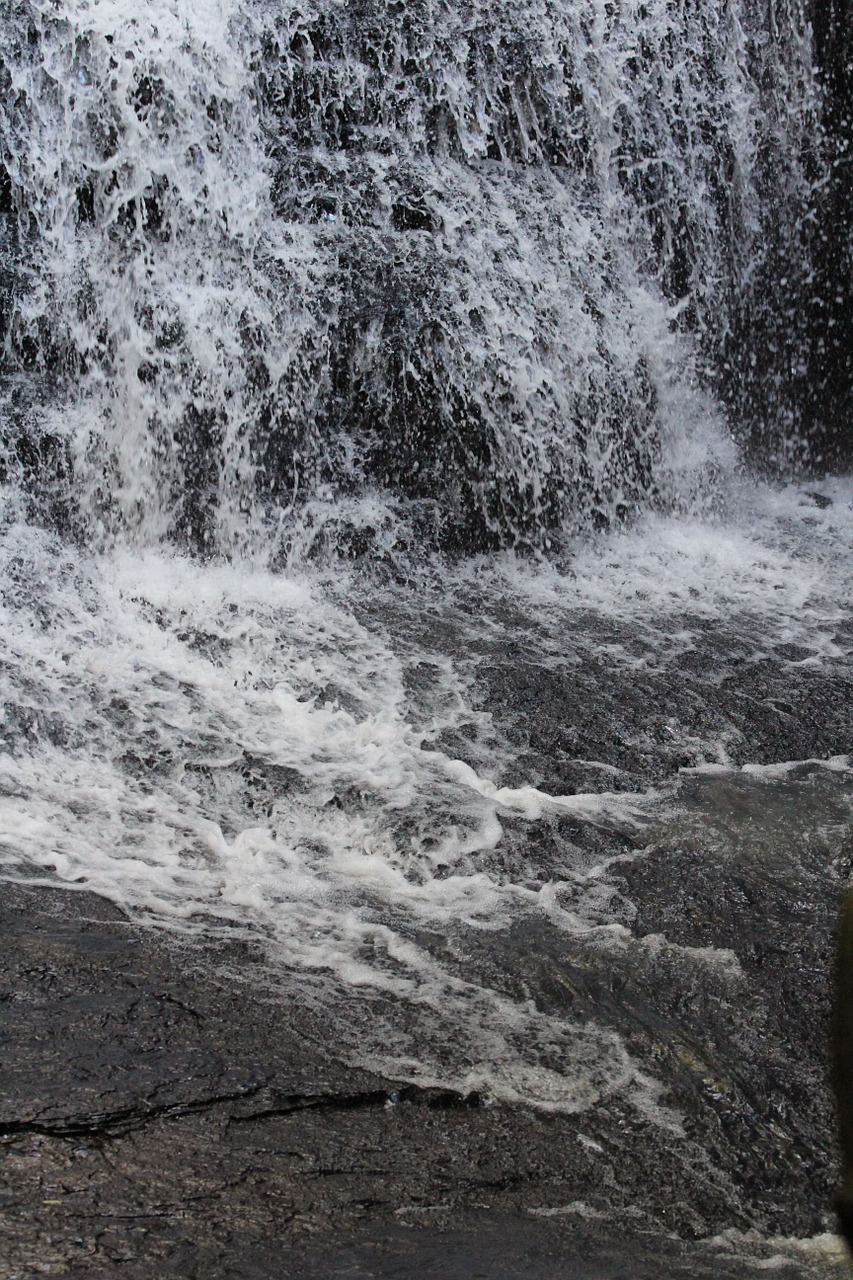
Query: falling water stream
382	576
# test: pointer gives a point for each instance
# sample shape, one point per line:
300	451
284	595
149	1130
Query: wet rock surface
644	702
180	1107
159	1117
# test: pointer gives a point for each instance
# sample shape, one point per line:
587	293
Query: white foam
827	1252
722	958
215	747
619	809
576	1209
773	564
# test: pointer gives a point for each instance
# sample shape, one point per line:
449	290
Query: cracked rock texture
159	1118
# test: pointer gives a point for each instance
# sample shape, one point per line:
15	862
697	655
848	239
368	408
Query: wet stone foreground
160	1118
169	1107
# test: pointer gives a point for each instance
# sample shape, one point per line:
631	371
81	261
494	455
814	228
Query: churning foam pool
213	746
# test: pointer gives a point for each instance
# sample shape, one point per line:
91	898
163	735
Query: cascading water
480	263
375	548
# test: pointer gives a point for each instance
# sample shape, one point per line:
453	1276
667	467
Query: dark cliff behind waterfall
829	404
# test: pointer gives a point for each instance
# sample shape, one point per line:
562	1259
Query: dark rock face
784	367
831	366
843	1063
157	1119
812	342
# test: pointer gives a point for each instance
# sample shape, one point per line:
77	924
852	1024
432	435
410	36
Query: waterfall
481	273
419	552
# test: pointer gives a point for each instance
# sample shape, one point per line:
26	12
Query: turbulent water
381	580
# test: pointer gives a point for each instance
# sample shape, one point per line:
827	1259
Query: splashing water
479	262
300	297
